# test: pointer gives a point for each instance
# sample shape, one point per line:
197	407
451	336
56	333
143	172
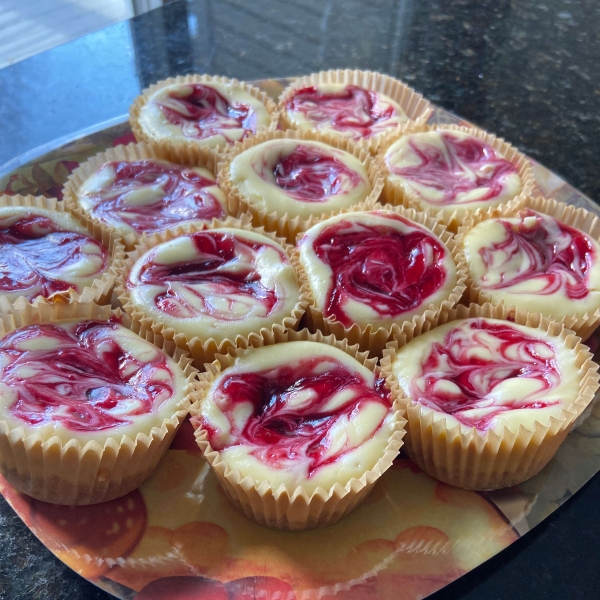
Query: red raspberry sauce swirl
79	383
34	252
476	377
353	110
282	433
185	198
310	175
456	169
557	255
204	113
218	265
391	271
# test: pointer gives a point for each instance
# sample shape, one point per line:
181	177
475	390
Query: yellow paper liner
395	193
101	288
474	460
282	224
582	323
204	350
417	108
282	508
190	156
72	474
374	339
175	146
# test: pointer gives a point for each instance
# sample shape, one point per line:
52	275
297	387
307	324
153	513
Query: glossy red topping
87	382
185	196
220	264
204	112
311	175
513	355
281	431
391	271
462	166
557	256
352	109
35	250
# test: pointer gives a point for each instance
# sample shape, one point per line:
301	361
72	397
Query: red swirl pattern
87	382
282	432
353	110
204	113
35	251
512	354
219	266
463	165
185	197
391	271
311	175
554	255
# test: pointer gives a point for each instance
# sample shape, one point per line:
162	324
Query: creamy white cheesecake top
488	374
299	414
209	114
375	268
347	110
215	284
535	262
87	381
44	252
299	178
151	195
446	170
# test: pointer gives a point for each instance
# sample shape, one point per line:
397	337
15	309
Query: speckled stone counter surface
527	70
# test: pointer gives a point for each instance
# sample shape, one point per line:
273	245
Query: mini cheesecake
375	268
445	170
346	110
535	262
488	375
208	113
299	178
215	284
298	415
150	195
45	252
87	381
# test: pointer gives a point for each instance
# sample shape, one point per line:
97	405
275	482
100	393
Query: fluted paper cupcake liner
283	224
101	288
72	473
176	147
396	193
283	508
582	323
204	350
470	459
417	108
189	156
370	337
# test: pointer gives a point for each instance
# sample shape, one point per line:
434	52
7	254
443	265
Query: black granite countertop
527	70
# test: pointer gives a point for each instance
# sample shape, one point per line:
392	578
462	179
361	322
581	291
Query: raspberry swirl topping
82	376
482	369
538	254
42	257
201	111
447	168
221	279
151	195
313	412
391	270
310	174
349	109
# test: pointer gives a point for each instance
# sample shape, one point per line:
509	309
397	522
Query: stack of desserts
316	282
